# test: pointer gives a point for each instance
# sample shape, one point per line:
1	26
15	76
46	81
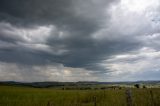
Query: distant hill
58	84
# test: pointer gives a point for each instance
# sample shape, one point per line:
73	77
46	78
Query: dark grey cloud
34	10
76	34
79	19
75	14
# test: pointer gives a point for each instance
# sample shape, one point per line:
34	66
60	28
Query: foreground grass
23	96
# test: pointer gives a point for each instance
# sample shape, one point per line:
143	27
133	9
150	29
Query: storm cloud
64	40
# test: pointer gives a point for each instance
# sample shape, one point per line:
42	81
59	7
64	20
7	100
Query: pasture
27	96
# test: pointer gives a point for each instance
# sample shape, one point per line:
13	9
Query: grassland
26	96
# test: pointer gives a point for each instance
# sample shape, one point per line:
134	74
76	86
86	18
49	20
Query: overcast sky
79	40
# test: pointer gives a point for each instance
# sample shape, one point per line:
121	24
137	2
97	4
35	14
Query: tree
137	85
144	86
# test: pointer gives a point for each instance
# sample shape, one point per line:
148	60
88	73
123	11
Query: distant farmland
27	96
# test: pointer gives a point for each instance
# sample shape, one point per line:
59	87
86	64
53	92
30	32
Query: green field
26	96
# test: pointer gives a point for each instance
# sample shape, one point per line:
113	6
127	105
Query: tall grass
23	96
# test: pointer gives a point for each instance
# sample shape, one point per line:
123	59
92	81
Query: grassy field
25	96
